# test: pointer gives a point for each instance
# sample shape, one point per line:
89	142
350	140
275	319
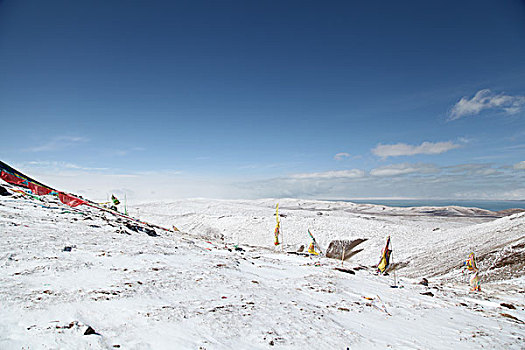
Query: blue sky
248	99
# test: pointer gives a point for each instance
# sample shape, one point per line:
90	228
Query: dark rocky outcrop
4	192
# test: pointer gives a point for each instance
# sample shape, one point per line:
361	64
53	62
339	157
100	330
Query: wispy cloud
497	156
486	99
336	174
261	166
341	156
515	147
404	169
167	172
417	180
125	152
520	165
53	166
462	168
402	149
516	194
488	172
58	143
473	169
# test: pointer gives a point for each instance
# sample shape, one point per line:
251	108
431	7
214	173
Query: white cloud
487	172
349	174
97	183
474	170
342	155
515	147
404	169
486	99
402	149
465	140
516	194
463	168
520	165
55	166
495	194
58	143
125	152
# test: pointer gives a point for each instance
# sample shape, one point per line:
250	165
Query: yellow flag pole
278	228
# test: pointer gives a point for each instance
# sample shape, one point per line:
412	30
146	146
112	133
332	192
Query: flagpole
282	235
393	265
343	255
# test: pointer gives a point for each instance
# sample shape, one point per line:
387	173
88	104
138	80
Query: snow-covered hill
427	241
64	270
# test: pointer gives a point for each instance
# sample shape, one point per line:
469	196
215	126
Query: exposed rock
138	228
90	331
4	192
515	319
336	248
508	306
508	212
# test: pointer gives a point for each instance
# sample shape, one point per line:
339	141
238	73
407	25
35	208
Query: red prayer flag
38	190
70	200
12	179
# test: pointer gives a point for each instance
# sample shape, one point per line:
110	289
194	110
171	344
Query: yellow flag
277	216
384	263
311	249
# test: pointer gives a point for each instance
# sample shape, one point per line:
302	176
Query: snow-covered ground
426	241
192	289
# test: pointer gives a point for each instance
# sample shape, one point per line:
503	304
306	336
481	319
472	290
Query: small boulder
350	271
4	192
508	306
90	331
337	247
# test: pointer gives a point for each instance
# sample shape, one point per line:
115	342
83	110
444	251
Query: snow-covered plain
193	290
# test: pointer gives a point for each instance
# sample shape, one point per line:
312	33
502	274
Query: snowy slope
181	291
425	243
